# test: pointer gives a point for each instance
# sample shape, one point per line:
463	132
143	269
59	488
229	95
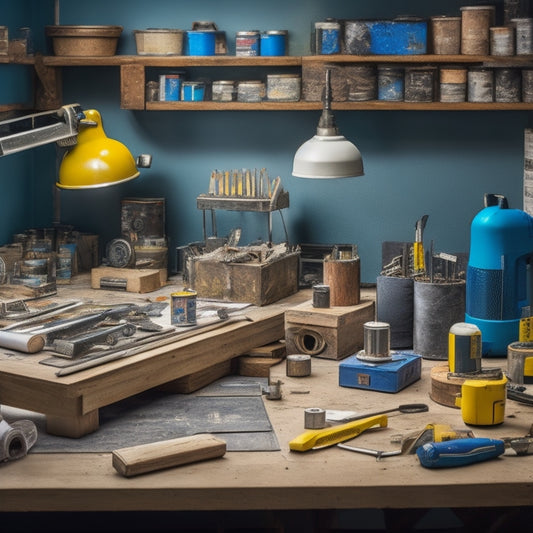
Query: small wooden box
255	283
329	333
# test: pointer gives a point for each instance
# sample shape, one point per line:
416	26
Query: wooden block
258	367
330	333
277	350
145	458
444	388
132	279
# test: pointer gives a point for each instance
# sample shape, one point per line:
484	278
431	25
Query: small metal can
192	91
274	43
250	91
247	43
321	296
183	308
327	37
283	87
223	91
170	87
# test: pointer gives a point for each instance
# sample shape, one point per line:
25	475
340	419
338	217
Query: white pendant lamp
328	154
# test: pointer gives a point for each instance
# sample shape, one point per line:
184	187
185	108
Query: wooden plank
132	83
256	367
277	350
136	280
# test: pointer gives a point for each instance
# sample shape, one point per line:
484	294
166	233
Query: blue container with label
169	87
327	38
274	43
201	43
193	91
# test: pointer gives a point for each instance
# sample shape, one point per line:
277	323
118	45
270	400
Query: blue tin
192	91
327	38
274	43
390	83
201	43
169	87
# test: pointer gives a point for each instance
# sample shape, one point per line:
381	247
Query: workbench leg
72	426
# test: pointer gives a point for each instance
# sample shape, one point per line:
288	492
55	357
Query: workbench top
331	478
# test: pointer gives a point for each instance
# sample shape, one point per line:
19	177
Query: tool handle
459	452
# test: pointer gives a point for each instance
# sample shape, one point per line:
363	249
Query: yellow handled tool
320	438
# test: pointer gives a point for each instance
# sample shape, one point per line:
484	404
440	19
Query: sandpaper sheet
239	417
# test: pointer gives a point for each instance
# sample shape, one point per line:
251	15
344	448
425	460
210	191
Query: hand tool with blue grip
459	452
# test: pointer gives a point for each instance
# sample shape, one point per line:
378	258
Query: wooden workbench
330	478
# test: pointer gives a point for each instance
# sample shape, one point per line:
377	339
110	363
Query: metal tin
247	43
527	85
419	84
183	310
390	83
274	43
223	91
283	87
362	82
250	91
507	84
192	91
446	35
376	340
152	91
464	348
480	84
502	41
201	43
169	87
524	35
142	218
4	40
327	38
475	24
453	84
321	296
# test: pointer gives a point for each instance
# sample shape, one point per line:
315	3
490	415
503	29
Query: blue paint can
390	83
183	310
201	43
327	38
169	87
274	43
193	91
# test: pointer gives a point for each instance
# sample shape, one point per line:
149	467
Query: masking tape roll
314	418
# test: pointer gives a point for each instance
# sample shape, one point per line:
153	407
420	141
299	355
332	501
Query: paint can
446	35
64	265
274	43
502	41
507	84
142	218
183	308
523	35
170	87
390	83
453	84
356	38
247	43
475	24
192	91
152	91
201	42
327	37
250	91
480	82
223	91
283	87
520	362
362	83
419	84
321	296
464	348
527	85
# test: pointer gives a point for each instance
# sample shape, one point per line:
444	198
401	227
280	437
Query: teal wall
435	163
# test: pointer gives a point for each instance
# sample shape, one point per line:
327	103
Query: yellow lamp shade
96	160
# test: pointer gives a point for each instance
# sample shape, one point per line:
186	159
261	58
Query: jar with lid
223	91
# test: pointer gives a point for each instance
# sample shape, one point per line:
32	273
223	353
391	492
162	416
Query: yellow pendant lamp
96	160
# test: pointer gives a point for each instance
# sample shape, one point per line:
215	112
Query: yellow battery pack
482	401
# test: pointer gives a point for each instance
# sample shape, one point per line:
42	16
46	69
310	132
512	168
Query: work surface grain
327	478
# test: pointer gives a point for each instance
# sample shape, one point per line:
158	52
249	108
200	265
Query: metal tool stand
260	205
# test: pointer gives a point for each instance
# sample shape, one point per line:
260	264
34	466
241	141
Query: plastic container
159	41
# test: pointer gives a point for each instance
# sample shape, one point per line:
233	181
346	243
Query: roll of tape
315	418
298	365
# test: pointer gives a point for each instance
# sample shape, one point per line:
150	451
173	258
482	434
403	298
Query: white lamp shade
329	156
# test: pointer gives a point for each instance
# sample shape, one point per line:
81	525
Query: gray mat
240	419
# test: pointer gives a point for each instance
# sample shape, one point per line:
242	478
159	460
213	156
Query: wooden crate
329	333
255	283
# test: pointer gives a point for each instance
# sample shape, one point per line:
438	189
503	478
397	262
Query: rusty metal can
183	310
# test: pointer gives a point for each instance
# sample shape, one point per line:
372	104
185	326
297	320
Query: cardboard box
256	283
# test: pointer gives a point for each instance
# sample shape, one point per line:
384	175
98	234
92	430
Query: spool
502	41
343	278
453	84
376	340
464	348
480	84
520	362
475	24
507	84
298	365
183	309
390	83
437	306
419	84
321	297
446	35
523	35
361	82
314	418
395	306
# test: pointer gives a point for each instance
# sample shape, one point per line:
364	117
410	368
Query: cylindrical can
298	365
480	84
247	43
519	356
376	340
192	91
152	91
142	218
274	43
250	91
419	84
390	83
169	87
502	41
321	296
527	85
524	35
446	35
327	37
183	308
464	348
314	418
362	83
475	24
357	40
223	91
453	84
201	43
507	84
283	87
